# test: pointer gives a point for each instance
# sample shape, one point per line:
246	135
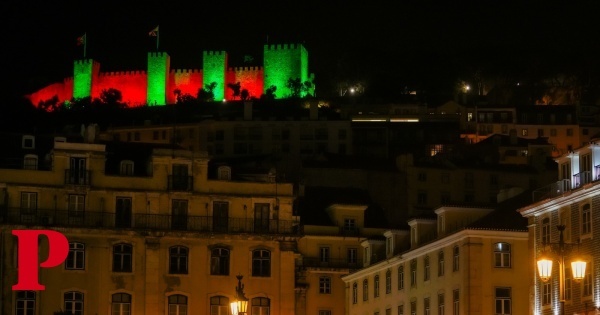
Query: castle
158	84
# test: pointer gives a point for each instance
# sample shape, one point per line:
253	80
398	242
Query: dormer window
126	168
349	224
224	173
28	142
30	162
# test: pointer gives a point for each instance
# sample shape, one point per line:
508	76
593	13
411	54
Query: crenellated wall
156	86
250	78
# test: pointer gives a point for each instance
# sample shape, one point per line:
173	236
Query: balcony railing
317	262
78	177
181	183
582	178
142	221
553	190
597	172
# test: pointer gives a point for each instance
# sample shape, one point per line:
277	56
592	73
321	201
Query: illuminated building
158	84
572	201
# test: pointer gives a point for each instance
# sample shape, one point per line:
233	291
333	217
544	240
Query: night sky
407	43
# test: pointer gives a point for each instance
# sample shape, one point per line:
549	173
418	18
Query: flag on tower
153	32
81	40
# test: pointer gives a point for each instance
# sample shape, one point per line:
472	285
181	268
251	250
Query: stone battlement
214	52
283	46
122	73
158	54
237	69
182	71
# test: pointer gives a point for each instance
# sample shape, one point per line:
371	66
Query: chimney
247	110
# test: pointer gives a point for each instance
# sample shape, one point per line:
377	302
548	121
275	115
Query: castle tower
159	64
284	62
214	69
84	73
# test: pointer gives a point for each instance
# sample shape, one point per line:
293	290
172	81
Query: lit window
502	255
546	293
178	260
261	306
73	303
178	305
76	257
121	304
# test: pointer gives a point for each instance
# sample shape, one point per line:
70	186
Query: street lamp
240	305
561	249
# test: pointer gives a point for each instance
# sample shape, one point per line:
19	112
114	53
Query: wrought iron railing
582	178
78	177
143	221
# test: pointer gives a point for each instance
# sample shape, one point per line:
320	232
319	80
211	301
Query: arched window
178	304
401	277
261	306
388	282
73	302
219	305
502	255
455	258
426	268
365	290
121	304
178	260
376	286
354	293
441	264
219	261
30	162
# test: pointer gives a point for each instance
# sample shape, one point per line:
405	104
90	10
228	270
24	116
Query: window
455	302
524	132
426	268
178	304
28	142
401	277
261	263
546	293
324	254
441	304
73	303
400	309
588	282
546	231
178	260
413	308
586	219
388	282
376	286
123	212
503	301
502	255
426	306
441	264
325	285
28	202
365	290
224	173
219	261
354	293
76	257
324	312
121	304
219	305
122	258
413	273
76	205
422	176
30	162
25	303
126	168
455	258
349	224
261	306
388	311
352	255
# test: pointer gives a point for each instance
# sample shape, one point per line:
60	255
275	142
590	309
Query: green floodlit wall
284	62
83	74
214	69
158	74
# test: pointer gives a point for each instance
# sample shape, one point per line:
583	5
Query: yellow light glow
578	268
545	268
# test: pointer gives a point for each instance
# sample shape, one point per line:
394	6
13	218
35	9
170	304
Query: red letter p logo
58	249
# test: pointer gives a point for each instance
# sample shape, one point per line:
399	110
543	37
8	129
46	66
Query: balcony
181	183
553	190
139	221
77	177
581	179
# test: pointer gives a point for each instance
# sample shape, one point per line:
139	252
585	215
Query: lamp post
561	250
240	305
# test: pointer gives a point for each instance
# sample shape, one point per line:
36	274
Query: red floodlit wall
250	78
188	81
132	85
63	90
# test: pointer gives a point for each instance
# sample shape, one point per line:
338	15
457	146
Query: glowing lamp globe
578	267
544	268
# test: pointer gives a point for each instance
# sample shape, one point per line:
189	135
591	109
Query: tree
298	88
244	95
207	94
269	93
236	87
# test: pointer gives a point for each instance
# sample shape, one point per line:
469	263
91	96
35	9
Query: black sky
388	41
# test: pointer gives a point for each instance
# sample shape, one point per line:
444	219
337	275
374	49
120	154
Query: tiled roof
505	217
